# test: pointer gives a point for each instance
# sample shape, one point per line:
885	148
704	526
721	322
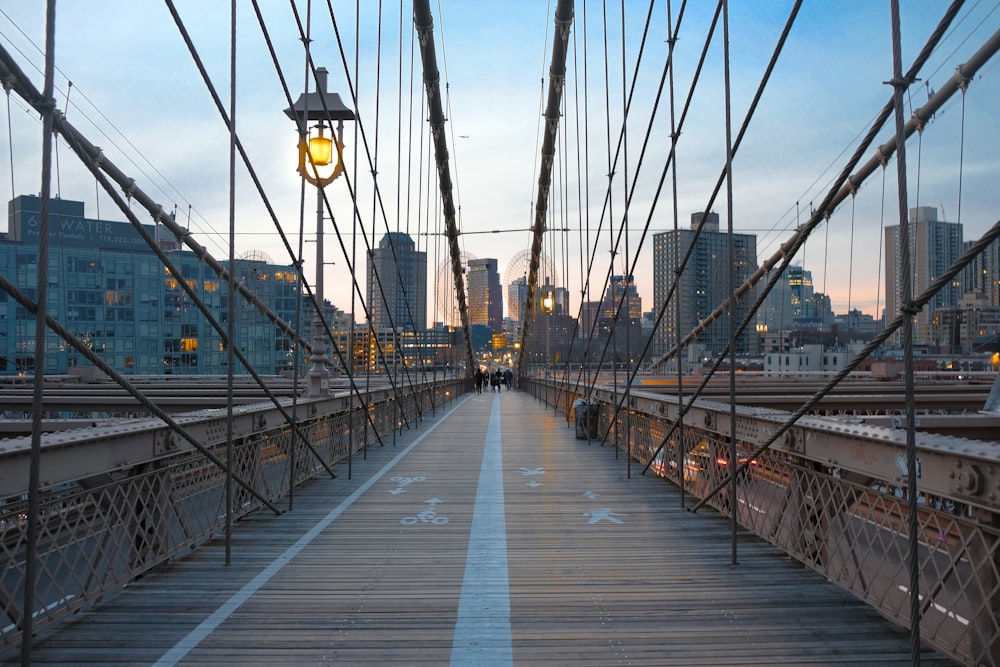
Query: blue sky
137	94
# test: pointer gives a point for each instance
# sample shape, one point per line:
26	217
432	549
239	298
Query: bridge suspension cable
557	79
424	24
845	183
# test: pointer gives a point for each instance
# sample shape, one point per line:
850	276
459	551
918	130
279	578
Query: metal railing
831	494
103	523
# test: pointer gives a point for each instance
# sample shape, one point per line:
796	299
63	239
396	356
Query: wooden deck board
648	584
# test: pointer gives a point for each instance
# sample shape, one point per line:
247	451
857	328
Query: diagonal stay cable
357	216
193	295
222	112
790	248
185	236
621	301
563	20
942	281
377	193
673	146
779	47
93	159
845	185
123	382
377	190
423	23
628	106
329	211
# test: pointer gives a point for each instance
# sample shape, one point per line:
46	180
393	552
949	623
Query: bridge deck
488	535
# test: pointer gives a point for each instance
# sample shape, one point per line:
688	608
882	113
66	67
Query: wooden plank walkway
404	565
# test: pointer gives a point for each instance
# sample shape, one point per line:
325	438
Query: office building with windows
934	246
703	284
397	284
112	292
485	294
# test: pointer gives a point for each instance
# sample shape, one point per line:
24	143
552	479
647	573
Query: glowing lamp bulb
320	150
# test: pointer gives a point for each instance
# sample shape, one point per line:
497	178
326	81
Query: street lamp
548	305
316	151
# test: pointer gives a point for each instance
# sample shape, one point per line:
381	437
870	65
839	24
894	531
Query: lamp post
316	151
548	305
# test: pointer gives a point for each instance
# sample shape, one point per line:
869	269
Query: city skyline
115	297
829	84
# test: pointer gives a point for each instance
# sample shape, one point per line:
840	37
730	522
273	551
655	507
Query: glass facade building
112	292
397	284
485	294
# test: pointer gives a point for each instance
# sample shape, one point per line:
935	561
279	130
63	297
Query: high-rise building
612	321
982	275
517	296
934	246
402	275
561	295
790	304
485	295
704	283
619	288
113	293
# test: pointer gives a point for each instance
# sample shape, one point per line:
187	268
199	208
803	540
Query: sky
136	92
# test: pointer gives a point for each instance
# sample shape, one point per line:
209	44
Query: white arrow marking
603	513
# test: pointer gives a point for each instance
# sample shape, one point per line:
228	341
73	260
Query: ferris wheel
445	299
518	268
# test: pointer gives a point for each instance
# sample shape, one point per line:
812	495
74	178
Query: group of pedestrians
494	380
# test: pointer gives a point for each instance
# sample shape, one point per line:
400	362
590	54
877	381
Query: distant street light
548	306
316	151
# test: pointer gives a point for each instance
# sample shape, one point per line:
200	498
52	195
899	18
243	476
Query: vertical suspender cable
681	450
378	109
424	24
626	276
585	221
826	256
961	151
7	83
731	263
557	77
909	312
881	227
399	153
34	483
230	325
355	219
611	236
850	270
303	133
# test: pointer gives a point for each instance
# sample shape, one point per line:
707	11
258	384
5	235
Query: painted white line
38	612
220	615
482	631
755	508
941	608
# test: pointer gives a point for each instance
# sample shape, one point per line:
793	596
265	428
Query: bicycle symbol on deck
428	515
403	481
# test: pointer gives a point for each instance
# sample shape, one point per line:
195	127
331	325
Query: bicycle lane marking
482	630
220	615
